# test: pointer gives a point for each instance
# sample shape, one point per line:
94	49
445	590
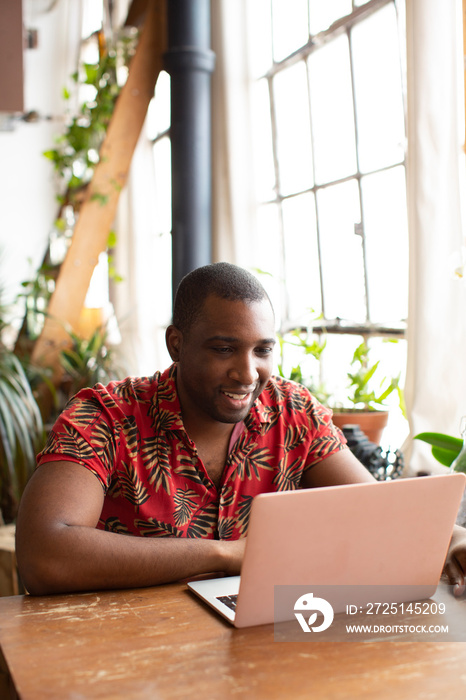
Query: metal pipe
190	63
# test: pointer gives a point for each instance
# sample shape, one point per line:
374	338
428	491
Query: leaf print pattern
130	434
203	522
294	437
258	459
185	505
227	497
226	528
186	469
84	411
114	525
131	486
288	477
104	440
164	420
242	514
134	387
156	459
152	528
69	443
273	414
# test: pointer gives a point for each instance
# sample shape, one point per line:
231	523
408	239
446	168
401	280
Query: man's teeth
238	397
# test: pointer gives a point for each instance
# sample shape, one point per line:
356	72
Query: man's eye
223	350
264	351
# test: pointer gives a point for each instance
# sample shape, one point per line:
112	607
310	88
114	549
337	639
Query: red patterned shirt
130	434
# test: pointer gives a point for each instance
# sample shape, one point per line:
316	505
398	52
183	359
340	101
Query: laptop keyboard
228	600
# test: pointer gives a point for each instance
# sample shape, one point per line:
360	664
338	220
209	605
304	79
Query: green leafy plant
77	148
445	448
361	392
89	361
311	345
21	429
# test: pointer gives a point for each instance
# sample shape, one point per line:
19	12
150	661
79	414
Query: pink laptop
393	534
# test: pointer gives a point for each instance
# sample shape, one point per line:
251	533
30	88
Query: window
329	135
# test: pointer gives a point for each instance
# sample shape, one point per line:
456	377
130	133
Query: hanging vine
74	158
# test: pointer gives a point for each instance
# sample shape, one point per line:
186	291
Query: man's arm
59	548
339	468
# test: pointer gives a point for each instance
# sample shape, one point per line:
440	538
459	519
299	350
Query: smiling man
151	480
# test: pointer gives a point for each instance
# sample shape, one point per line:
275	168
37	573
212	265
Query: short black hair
221	279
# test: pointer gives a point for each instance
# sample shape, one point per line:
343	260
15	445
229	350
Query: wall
27	188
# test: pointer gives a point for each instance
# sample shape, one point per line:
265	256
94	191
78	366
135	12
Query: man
150	480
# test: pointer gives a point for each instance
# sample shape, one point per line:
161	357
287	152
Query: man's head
222	339
222	280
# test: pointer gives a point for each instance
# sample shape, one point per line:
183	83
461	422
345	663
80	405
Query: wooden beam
99	207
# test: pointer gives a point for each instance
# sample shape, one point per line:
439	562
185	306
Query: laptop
390	534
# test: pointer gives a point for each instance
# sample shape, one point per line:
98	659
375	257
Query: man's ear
174	340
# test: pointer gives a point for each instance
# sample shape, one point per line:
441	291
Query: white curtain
436	372
234	207
142	300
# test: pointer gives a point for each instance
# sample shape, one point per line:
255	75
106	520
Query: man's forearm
77	558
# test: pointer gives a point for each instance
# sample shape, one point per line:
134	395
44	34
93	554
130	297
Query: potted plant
367	406
365	401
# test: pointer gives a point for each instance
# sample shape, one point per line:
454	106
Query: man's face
224	360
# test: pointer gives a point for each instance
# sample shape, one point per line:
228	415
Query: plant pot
372	423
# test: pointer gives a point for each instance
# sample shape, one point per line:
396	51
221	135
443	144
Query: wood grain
162	643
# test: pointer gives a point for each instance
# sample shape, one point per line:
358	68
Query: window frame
324	324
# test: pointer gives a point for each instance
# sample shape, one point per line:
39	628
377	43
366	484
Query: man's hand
233	553
455	563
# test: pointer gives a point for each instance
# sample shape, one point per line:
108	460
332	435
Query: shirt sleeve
84	434
327	438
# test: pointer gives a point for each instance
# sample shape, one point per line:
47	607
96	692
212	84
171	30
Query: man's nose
244	370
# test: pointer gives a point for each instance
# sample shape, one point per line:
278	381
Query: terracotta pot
372	423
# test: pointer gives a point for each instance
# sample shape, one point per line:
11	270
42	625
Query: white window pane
290	26
162	195
332	111
301	257
268	254
262	140
259	36
323	13
92	17
378	90
342	256
336	363
158	119
293	129
385	223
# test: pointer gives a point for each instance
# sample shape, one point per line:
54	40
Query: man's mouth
236	397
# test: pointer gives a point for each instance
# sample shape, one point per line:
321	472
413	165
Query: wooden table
162	643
